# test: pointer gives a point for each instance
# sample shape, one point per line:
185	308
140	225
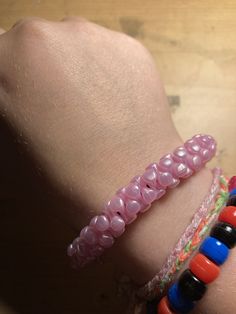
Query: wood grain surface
194	46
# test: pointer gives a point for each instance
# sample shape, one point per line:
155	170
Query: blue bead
177	301
233	192
214	250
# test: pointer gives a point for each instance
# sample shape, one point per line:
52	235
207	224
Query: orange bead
164	307
228	215
204	269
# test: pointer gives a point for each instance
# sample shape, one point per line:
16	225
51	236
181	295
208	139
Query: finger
27	20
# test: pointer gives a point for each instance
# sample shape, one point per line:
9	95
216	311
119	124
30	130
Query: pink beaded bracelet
137	197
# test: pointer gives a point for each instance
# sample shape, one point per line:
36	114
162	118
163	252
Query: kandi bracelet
201	221
138	196
204	267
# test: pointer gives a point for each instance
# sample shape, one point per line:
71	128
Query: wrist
149	240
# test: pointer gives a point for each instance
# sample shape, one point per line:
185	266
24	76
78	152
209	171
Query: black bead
231	201
191	287
226	233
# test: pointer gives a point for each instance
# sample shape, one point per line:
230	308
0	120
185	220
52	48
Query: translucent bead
149	195
194	162
135	179
204	140
106	240
132	191
164	178
174	183
132	208
71	250
76	242
192	146
100	223
117	223
153	165
116	204
179	154
166	163
88	235
205	155
180	170
82	248
150	176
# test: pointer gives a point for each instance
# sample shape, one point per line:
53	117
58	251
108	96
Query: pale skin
88	107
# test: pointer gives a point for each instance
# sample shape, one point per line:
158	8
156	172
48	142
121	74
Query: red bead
228	215
164	307
232	183
204	269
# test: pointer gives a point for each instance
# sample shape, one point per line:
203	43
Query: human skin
88	108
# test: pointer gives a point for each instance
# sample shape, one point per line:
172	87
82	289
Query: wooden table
194	45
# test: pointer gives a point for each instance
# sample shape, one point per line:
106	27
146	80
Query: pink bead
82	248
164	178
179	154
166	163
117	223
194	162
106	240
150	176
71	250
180	170
232	183
149	195
116	204
88	235
135	179
204	140
205	155
174	183
153	165
100	223
192	146
76	242
132	191
132	208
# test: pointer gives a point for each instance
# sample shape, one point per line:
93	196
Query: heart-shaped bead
132	191
88	235
194	162
165	163
164	178
132	208
106	240
150	176
149	195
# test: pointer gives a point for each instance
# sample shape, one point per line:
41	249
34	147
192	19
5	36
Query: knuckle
32	28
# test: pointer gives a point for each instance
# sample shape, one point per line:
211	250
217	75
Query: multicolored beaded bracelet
138	196
192	236
204	268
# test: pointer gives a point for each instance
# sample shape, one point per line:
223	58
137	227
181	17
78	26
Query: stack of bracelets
204	267
137	197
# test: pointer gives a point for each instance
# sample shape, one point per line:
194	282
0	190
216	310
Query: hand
88	107
86	103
